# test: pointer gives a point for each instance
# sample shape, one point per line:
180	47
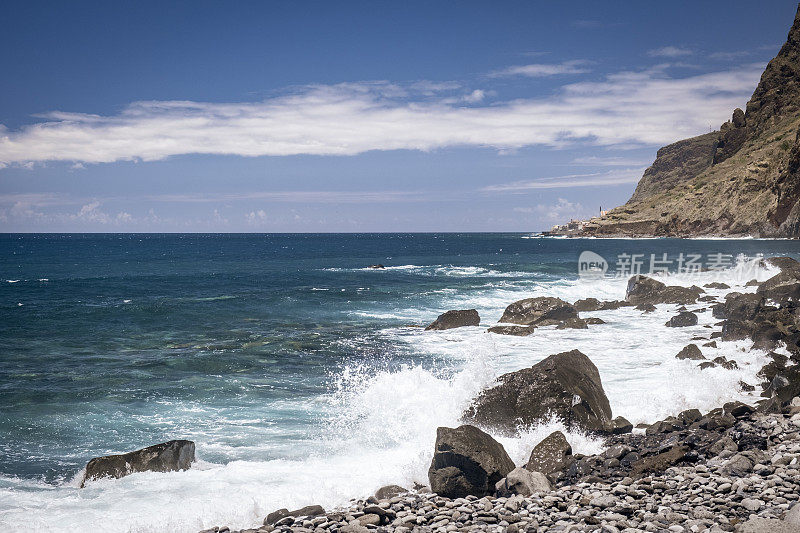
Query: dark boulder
717	285
642	289
516	331
588	304
784	263
737	409
551	456
621	425
467	461
738	306
682	319
646	307
544	309
690	352
593	320
658	462
566	384
455	319
783	287
165	457
735	330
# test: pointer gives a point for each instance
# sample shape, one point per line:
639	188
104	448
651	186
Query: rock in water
682	319
516	331
165	457
523	482
544	309
467	461
588	304
566	384
550	456
644	290
690	352
455	319
573	323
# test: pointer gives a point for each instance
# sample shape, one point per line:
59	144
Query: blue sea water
302	375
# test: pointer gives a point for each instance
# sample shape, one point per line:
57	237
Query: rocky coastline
742	180
735	468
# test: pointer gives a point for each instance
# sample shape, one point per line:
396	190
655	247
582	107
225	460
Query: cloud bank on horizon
648	107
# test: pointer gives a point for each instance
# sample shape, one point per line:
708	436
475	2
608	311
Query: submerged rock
455	319
467	461
682	319
516	331
165	457
566	385
544	309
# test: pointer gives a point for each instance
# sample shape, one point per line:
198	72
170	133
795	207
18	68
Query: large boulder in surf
455	319
566	385
783	287
165	457
467	461
739	306
644	290
784	263
542	310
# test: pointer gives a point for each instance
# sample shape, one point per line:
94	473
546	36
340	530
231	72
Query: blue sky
356	116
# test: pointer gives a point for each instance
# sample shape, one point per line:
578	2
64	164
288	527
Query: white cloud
563	209
669	51
614	161
627	108
540	70
594	179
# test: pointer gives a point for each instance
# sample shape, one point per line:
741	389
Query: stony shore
751	491
735	468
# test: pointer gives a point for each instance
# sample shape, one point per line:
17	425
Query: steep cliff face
743	179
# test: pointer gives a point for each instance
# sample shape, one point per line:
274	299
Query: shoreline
735	468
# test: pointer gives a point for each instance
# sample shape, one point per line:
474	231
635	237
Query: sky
279	116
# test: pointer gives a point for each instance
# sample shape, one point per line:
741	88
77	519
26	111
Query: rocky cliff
743	179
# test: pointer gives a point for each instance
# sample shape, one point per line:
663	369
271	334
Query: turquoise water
274	353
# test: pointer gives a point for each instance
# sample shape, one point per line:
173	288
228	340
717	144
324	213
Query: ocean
302	375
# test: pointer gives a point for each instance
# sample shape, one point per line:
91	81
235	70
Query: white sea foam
379	425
